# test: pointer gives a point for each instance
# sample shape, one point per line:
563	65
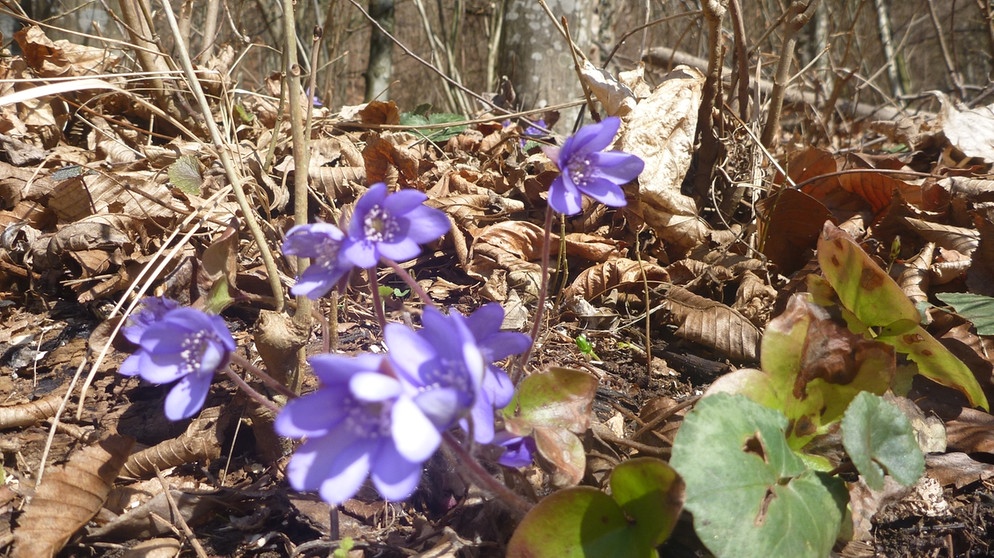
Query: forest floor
89	199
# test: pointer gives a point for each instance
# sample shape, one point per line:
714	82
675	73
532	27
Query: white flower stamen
379	225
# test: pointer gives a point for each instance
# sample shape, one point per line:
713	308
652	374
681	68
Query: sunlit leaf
750	494
976	308
185	174
879	439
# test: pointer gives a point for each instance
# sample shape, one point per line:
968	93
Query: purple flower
152	310
587	169
518	450
182	344
360	423
391	226
322	242
536	130
451	360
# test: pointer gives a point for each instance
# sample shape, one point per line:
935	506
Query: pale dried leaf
616	273
26	414
68	497
970	130
961	239
712	324
914	274
200	442
617	98
661	131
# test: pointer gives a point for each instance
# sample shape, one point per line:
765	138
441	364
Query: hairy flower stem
518	505
262	376
255	395
374	290
543	292
403	274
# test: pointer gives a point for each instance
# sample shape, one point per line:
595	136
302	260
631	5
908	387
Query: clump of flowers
587	169
362	422
178	344
383	416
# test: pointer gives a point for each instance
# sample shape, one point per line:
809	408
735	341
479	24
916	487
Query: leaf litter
86	213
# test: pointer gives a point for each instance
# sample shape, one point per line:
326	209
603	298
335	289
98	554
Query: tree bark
379	71
535	57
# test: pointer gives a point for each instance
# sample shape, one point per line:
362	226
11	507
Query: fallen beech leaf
68	497
713	324
789	223
200	442
961	239
970	130
26	414
618	272
661	131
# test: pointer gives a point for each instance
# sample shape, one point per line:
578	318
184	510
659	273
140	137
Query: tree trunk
535	57
380	68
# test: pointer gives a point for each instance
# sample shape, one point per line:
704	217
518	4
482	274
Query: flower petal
337	370
394	477
616	166
159	369
336	464
564	197
314	414
414	435
187	396
592	137
443	406
605	191
401	250
374	386
361	253
130	366
427	224
408	352
312	240
374	196
403	201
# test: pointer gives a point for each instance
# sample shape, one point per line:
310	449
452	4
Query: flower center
579	170
448	373
367	420
192	350
379	225
327	256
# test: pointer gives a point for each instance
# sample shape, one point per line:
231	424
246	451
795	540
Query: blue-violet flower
151	309
518	450
391	226
322	242
182	344
587	169
450	360
361	422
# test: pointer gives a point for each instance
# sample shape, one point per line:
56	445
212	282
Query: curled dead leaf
68	497
200	442
617	273
713	324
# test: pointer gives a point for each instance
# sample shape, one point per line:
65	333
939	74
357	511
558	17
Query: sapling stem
374	290
518	505
543	292
255	395
261	375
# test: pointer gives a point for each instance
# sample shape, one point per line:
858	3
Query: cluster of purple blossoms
382	416
587	169
177	343
383	226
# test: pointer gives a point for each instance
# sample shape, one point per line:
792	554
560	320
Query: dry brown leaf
26	414
612	274
915	276
713	324
200	442
980	277
68	497
961	239
388	159
661	131
957	469
61	58
515	246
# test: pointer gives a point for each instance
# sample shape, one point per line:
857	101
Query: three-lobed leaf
879	439
750	494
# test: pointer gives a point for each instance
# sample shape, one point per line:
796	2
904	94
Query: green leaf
976	308
583	521
574	523
750	494
560	398
651	493
937	363
185	174
879	439
861	285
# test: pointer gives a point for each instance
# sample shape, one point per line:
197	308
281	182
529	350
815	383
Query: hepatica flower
587	169
450	361
322	242
360	423
391	226
181	344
